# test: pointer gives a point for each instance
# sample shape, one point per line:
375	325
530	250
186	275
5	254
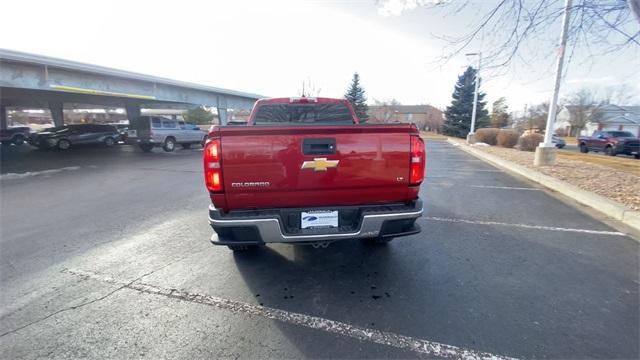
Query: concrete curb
607	207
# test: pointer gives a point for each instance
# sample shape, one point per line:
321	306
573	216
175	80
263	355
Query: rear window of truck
303	114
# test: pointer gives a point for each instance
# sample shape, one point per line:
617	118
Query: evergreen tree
355	95
198	115
500	113
458	114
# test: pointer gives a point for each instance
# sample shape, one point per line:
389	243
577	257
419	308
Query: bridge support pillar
133	110
222	115
57	113
3	117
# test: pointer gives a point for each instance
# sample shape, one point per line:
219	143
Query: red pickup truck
304	171
611	142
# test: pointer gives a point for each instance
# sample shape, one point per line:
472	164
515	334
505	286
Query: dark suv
611	143
15	135
63	137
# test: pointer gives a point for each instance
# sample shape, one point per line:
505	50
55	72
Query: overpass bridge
30	80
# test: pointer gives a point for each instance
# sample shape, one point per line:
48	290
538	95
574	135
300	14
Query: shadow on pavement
25	158
348	281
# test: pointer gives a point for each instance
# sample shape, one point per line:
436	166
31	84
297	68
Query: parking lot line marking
525	226
503	187
485	186
430	348
471	170
461	159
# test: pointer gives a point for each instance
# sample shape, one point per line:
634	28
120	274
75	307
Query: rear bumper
259	229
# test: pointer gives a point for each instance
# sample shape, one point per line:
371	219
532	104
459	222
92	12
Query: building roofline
18	56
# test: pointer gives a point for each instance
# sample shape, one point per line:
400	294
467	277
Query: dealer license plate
319	219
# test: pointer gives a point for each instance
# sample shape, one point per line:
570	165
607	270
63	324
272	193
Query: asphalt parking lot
108	257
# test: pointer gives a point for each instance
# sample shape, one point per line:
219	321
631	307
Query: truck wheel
583	148
64	144
109	142
169	144
19	139
609	150
186	146
146	147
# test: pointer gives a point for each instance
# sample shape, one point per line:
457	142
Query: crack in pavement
63	310
430	348
122	286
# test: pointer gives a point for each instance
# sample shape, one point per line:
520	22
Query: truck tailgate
315	166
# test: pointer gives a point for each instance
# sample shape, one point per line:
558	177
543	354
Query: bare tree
580	106
309	89
600	26
634	5
388	109
621	94
500	113
536	118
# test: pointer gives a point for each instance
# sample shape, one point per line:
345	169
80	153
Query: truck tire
186	146
609	150
583	148
169	144
146	147
109	142
19	140
64	144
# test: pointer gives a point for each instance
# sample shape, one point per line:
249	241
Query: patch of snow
14	176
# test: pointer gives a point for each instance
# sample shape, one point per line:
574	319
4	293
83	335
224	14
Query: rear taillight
212	168
417	160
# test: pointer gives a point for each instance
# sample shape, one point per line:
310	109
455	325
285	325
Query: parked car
611	143
303	171
122	129
150	131
558	141
64	137
15	135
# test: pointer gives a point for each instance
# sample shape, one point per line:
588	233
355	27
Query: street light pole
545	152
471	136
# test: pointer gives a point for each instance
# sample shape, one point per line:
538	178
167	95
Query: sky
273	47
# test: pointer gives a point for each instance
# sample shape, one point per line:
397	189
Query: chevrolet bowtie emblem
320	164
